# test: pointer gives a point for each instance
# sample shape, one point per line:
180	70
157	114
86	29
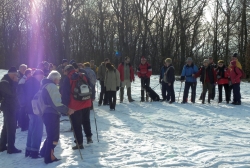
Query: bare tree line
36	30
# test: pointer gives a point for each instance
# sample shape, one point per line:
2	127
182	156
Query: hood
233	63
46	81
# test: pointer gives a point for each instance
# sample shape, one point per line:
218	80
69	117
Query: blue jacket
163	70
188	71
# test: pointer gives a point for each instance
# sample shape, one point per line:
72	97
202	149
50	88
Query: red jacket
207	75
144	70
75	104
223	77
235	75
121	70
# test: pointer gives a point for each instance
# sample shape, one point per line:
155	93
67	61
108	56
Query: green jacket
101	72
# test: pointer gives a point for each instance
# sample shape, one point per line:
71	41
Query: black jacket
8	91
31	87
170	74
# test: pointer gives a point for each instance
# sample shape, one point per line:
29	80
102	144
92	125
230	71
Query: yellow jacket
238	65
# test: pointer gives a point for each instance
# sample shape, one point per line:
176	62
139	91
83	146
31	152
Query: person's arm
6	89
149	73
171	75
139	72
215	76
99	73
118	83
238	74
198	74
55	99
183	73
132	74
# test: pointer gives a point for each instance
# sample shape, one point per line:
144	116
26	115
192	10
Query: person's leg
11	131
52	125
76	119
106	98
168	92
213	92
142	90
164	91
36	138
204	92
210	91
186	91
236	90
121	94
86	122
110	99
226	88
147	85
101	92
129	92
3	140
114	99
220	93
29	137
193	88
172	93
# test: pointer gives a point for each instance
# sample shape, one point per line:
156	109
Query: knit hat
233	63
220	62
12	70
168	60
189	59
235	55
86	64
75	65
64	61
38	72
143	58
72	61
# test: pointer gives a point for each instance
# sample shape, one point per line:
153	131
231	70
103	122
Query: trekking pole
179	93
75	137
95	124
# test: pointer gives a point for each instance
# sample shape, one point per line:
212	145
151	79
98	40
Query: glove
117	88
218	76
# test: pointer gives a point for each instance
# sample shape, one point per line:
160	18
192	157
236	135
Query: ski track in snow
154	134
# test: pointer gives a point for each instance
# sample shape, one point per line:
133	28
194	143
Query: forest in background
35	30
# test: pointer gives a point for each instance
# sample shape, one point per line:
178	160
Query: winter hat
12	70
220	62
189	59
86	64
72	61
143	58
38	72
233	63
75	65
235	55
168	60
109	66
64	61
205	61
27	72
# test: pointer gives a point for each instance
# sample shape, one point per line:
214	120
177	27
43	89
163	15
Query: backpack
37	102
80	87
243	76
91	76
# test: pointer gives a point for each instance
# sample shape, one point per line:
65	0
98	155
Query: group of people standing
17	91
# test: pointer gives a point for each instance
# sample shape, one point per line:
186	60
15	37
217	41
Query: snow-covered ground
155	135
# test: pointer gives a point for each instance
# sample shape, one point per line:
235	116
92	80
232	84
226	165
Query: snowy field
155	135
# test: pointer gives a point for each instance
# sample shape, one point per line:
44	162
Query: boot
2	149
129	95
89	140
142	96
34	155
76	147
27	153
209	98
121	94
203	98
52	158
13	150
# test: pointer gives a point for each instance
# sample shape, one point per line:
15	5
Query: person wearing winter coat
81	116
187	75
235	77
208	78
23	118
8	85
112	84
213	65
21	71
144	72
101	77
127	77
168	80
93	66
35	132
164	86
51	115
91	75
222	74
